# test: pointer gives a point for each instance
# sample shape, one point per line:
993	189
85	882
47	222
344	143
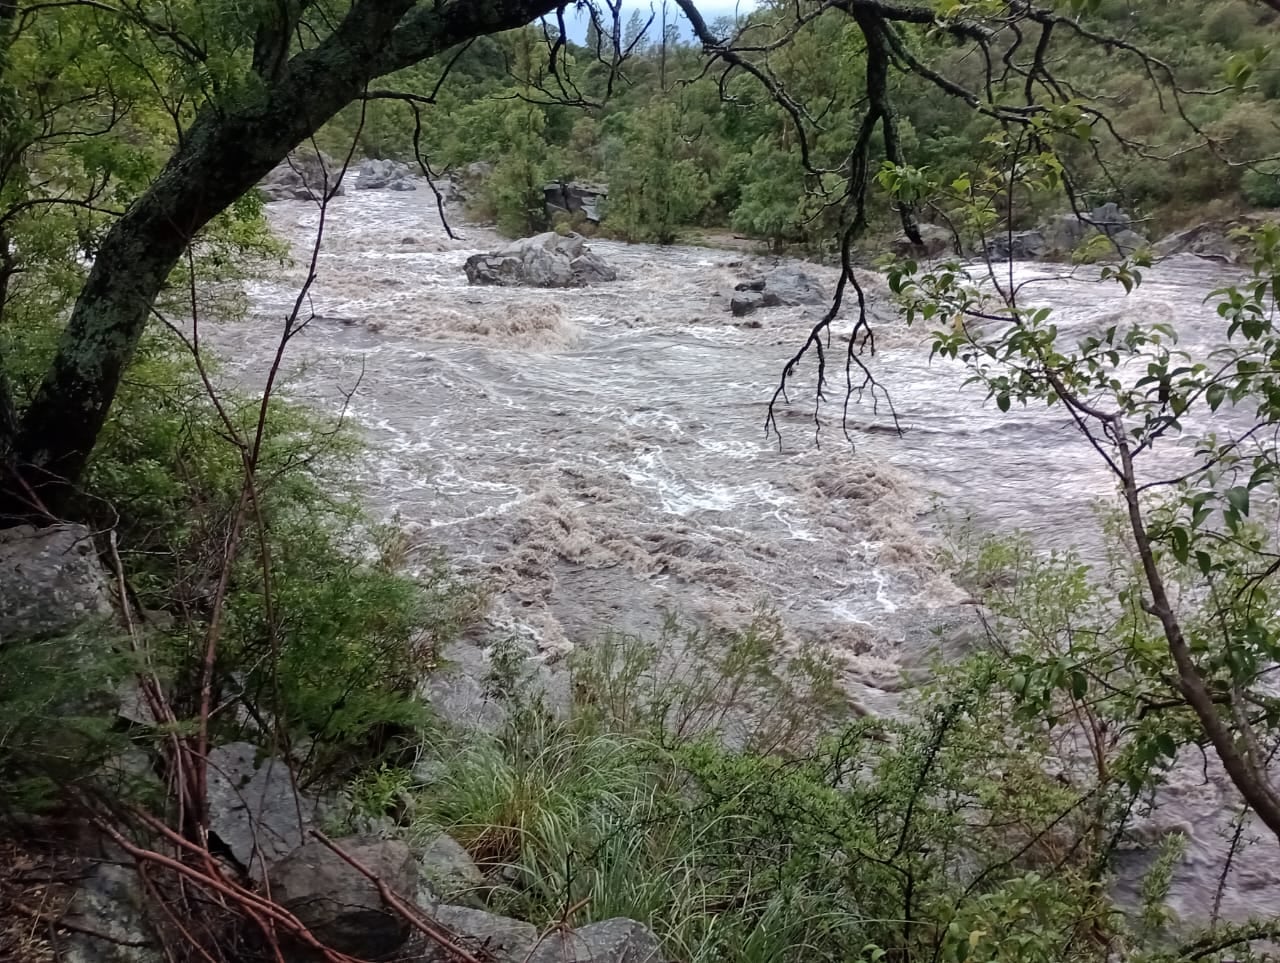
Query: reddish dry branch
265	913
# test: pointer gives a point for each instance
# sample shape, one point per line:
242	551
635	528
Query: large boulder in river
1018	246
545	261
787	286
792	286
50	582
1209	241
384	175
304	175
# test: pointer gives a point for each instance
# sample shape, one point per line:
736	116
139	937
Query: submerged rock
50	581
547	260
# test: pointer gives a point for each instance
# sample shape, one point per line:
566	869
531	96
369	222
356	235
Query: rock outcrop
303	176
618	940
576	197
937	241
497	939
341	905
255	807
384	175
1064	234
50	581
447	870
1209	241
547	260
110	902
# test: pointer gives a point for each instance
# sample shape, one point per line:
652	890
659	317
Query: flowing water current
598	455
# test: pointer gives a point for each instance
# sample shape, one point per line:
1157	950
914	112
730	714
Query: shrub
1261	188
682	803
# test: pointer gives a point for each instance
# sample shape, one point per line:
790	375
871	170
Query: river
598	455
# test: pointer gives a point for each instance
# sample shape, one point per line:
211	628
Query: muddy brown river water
598	455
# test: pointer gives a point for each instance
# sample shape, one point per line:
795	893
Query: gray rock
50	582
618	940
751	284
546	260
254	807
1128	241
304	176
384	175
744	302
937	240
576	197
110	901
497	939
339	904
1018	246
793	287
449	871
1063	235
1208	241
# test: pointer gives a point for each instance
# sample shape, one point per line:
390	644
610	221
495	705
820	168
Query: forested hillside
1188	125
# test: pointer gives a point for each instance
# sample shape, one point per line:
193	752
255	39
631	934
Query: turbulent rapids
598	454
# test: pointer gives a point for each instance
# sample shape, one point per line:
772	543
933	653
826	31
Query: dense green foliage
678	149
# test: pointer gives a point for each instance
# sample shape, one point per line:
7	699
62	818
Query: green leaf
1238	498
